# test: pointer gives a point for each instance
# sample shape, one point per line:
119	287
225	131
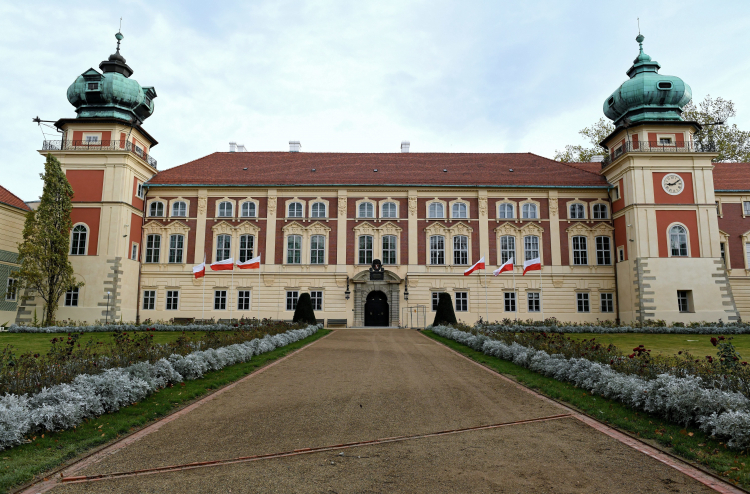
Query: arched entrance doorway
376	309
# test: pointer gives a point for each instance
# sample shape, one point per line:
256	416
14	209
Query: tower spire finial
119	36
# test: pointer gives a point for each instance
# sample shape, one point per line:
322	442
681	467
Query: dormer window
618	151
611	101
92	86
665	141
664	85
92	139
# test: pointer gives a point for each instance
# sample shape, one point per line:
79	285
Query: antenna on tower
120	25
638	19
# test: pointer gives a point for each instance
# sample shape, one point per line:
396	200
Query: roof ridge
25	206
568	164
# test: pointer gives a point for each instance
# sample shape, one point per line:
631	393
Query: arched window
436	210
156	209
529	211
318	210
505	210
225	209
295	210
248	209
179	208
389	210
366	210
600	212
78	240
460	210
577	212
508	249
678	244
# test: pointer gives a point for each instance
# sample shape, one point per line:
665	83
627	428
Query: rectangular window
365	249
92	86
317	299
139	192
176	244
723	248
10	290
583	302
507	249
153	244
243	300
92	139
294	249
746	207
534	302
149	299
580	254
603	251
247	242
510	302
437	250
173	298
460	250
665	141
462	301
71	297
220	300
223	247
616	193
621	254
530	247
607	302
684	300
435	300
747	254
134	252
291	300
317	249
389	249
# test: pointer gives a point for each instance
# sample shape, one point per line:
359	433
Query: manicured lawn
688	443
668	344
40	342
45	452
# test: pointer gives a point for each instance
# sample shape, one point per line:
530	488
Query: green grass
688	443
668	344
45	452
41	342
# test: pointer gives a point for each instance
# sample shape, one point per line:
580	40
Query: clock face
672	184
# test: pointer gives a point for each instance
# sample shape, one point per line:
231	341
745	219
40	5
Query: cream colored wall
11	226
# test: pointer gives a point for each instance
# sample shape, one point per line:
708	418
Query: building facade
654	231
12	215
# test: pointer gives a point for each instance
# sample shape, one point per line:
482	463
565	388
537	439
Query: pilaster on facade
341	228
271	228
201	250
413	228
484	235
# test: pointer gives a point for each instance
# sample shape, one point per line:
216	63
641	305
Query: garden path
362	385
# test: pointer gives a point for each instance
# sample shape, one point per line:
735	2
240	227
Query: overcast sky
345	76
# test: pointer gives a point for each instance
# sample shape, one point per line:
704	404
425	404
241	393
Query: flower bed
104	328
66	405
553	326
683	400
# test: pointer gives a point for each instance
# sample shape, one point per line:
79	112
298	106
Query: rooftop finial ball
119	36
640	38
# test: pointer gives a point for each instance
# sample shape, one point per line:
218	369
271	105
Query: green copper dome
111	93
647	96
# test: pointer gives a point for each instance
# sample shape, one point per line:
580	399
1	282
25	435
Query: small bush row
66	405
161	326
684	400
552	325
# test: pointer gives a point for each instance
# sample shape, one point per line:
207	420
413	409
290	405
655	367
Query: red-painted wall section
90	217
135	234
87	184
687	218
685	197
621	235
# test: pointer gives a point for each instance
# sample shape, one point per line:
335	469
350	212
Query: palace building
653	231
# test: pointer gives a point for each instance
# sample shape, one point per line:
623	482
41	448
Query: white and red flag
199	271
507	266
225	265
532	265
479	265
253	263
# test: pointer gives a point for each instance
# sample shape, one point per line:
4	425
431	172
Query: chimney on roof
404	146
241	148
295	147
597	158
232	147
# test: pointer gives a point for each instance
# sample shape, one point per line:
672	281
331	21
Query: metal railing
657	147
99	146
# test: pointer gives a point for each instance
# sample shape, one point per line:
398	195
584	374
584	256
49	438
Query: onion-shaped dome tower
111	93
648	95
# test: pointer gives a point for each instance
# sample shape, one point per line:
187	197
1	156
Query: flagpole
258	309
515	295
541	293
486	305
203	304
231	291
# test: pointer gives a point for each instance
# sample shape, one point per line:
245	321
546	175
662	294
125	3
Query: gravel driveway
360	385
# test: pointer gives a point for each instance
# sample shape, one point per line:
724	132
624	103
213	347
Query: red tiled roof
10	199
463	169
731	176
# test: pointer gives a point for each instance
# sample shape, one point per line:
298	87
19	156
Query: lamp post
107	308
347	293
406	287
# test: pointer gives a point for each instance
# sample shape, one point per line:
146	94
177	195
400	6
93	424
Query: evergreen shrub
444	313
304	312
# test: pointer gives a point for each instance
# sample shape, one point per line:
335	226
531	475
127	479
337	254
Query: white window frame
436	210
533	302
317	246
436	251
363	250
134	251
686	296
583	302
72	297
149	300
246	251
526	250
607	253
86	230
179	209
579	246
366	209
577	211
527	208
507	250
389	205
225	209
509	300
293	249
223	247
292	297
462	301
156	209
687	240
173	296
315	210
11	289
459	210
153	252
244	299
596	211
316	297
176	249
391	250
607	302
220	298
502	210
435	300
139	190
249	209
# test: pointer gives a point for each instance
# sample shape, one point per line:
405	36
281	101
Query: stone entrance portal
383	296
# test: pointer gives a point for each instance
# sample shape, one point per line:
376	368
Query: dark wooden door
376	309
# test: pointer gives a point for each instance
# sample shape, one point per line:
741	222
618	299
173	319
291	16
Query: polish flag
532	265
225	265
507	266
478	265
253	263
199	271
